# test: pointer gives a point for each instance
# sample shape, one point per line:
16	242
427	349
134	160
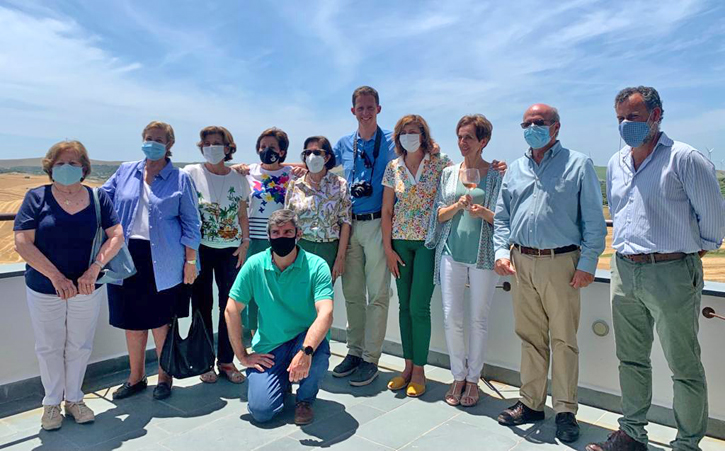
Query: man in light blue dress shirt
550	211
668	211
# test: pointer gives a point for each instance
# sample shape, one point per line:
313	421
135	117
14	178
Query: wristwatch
308	350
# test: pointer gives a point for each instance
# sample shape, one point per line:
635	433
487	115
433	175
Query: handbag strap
99	232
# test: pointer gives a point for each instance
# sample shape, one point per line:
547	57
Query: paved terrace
201	417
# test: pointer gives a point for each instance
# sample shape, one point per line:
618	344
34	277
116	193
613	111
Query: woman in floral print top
322	204
223	196
411	183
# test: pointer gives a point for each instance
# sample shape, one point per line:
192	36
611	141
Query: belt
559	250
653	258
367	216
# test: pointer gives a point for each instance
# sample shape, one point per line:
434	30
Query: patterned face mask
634	133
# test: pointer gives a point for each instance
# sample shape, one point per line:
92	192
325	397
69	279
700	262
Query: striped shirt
671	203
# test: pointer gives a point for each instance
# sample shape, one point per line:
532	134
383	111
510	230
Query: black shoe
162	390
519	414
347	366
126	390
567	429
618	441
366	373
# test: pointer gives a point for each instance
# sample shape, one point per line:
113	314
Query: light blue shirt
553	204
344	156
671	203
174	221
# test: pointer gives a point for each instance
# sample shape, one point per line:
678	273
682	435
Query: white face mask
410	142
213	154
315	163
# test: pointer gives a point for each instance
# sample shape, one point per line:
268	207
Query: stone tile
325	432
5	429
406	423
711	444
485	415
353	443
24	421
142	439
457	435
36	439
202	417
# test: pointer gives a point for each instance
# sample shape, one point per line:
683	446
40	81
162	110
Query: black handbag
190	356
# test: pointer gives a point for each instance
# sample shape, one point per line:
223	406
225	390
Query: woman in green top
461	231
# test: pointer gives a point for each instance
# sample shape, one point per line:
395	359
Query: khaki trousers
546	311
366	286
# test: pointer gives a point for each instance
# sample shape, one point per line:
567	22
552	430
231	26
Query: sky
100	71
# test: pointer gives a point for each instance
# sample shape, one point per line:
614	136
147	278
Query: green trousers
251	312
328	251
415	288
665	296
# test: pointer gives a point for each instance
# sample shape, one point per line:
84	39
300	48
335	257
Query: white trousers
64	333
466	361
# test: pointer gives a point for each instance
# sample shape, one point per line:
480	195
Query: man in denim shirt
550	211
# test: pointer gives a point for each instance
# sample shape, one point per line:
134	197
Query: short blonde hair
425	139
57	149
166	128
226	137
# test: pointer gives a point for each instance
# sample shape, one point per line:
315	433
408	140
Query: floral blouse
268	192
415	195
322	212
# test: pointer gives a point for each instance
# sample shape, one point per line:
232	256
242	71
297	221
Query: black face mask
283	246
269	156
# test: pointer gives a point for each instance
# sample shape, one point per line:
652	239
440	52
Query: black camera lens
361	189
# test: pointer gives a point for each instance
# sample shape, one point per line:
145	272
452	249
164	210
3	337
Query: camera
361	189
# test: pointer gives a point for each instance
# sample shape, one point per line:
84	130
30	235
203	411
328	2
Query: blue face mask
67	174
634	133
153	150
537	136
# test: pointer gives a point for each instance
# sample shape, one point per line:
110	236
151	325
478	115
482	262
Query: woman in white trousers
462	233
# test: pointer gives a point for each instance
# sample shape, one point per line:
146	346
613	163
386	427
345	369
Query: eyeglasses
538	123
317	152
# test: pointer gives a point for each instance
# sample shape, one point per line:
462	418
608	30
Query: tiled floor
202	417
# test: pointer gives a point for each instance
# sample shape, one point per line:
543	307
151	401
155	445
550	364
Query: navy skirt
137	305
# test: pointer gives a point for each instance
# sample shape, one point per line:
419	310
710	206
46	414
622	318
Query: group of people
276	236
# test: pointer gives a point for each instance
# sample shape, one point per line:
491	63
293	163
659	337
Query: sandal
397	383
453	395
231	373
209	377
471	395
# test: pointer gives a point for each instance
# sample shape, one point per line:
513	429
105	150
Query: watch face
308	350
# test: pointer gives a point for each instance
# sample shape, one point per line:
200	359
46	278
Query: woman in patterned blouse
322	204
411	183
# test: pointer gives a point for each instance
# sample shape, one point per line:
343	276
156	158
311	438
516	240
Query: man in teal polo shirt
293	290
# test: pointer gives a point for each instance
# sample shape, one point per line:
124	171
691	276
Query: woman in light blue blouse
157	206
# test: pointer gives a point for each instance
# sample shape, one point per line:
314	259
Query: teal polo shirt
286	299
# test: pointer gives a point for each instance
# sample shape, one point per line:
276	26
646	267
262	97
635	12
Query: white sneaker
79	411
52	419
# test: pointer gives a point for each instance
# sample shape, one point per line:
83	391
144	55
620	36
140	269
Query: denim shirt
553	204
174	221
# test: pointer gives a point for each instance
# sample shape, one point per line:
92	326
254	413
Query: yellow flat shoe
414	390
397	383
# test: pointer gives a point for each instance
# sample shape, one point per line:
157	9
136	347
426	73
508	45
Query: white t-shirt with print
219	197
268	191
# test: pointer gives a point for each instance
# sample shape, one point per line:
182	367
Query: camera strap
376	153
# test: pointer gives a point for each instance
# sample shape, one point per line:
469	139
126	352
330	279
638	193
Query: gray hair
281	217
649	94
554	115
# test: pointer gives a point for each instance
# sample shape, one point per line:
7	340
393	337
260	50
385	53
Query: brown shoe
304	414
519	413
618	441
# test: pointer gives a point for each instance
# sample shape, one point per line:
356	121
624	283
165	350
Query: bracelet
191	262
96	262
246	239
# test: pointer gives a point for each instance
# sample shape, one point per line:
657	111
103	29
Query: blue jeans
266	389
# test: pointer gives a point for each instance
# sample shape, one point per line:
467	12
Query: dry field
14	186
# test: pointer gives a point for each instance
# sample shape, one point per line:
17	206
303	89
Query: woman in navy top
54	232
157	206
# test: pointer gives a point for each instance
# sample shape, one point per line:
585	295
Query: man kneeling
293	290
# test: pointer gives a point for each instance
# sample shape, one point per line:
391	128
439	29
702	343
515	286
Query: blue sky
99	71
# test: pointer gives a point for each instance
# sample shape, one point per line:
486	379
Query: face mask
410	142
634	133
537	136
282	246
268	156
67	174
213	154
153	150
315	163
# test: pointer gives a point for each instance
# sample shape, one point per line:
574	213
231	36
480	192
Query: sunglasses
317	152
538	123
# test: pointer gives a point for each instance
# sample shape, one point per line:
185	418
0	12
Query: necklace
213	189
69	199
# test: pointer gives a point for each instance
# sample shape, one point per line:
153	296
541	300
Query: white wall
598	363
